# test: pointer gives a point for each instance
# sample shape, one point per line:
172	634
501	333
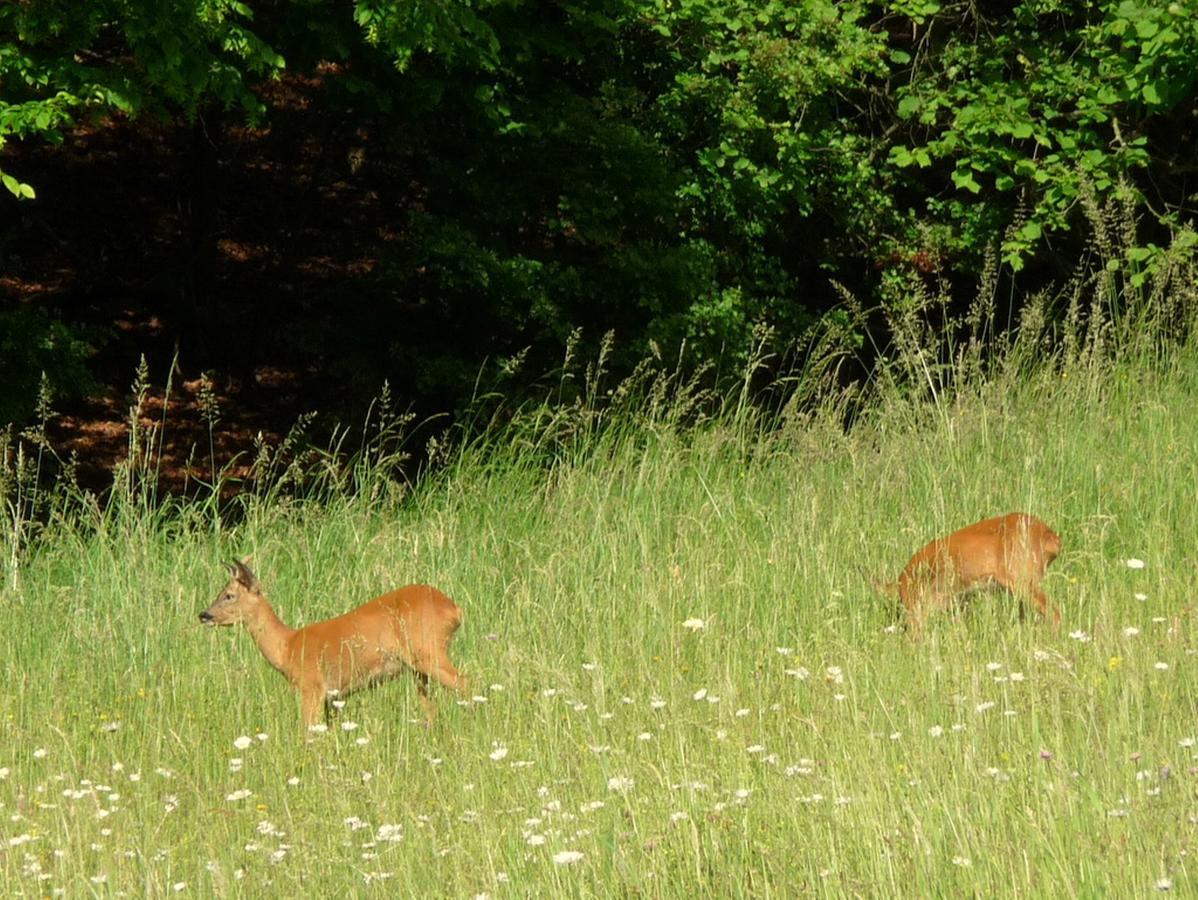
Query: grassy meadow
683	682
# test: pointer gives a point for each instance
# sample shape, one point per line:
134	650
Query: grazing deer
406	629
1011	552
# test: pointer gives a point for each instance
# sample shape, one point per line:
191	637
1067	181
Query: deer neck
270	634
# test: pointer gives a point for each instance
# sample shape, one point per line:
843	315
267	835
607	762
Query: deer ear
245	577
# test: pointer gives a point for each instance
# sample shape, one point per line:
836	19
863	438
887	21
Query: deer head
236	599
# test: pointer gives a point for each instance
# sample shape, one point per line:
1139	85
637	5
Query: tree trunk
199	320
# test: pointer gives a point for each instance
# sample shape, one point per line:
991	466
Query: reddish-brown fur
1011	552
406	629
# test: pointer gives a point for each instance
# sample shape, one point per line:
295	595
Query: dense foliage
675	171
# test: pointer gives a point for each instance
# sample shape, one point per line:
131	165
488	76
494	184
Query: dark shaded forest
283	205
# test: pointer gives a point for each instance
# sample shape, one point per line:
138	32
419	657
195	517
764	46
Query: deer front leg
450	677
1028	588
312	705
1046	609
915	609
422	689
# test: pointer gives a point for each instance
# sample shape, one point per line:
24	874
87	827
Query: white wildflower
389	833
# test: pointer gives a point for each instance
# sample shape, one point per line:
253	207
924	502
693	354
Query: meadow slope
683	681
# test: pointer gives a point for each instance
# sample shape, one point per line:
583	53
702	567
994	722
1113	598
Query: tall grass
683	679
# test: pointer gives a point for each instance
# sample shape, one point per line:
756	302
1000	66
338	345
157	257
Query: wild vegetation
682	678
822	281
417	191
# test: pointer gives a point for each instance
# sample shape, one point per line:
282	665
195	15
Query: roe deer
406	629
1011	551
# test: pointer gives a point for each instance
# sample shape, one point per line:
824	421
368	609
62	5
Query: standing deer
406	629
1011	552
